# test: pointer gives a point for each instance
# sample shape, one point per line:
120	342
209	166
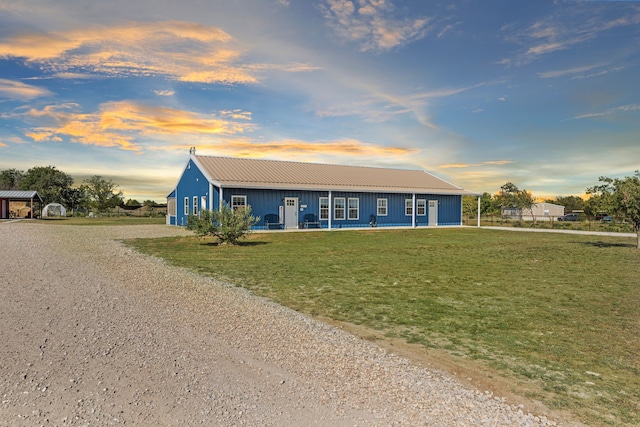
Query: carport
19	204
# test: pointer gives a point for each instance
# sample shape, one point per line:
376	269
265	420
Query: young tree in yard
102	193
227	225
620	197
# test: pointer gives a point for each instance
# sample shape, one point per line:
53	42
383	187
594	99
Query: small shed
19	204
542	211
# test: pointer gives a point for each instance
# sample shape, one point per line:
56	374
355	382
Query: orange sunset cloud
119	124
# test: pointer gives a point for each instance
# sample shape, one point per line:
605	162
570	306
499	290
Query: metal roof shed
7	197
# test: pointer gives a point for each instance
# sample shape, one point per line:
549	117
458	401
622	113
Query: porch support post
330	204
413	211
478	211
221	201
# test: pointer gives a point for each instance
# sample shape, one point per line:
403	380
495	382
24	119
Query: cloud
181	51
298	149
19	91
470	165
570	27
2	144
372	24
569	71
610	111
124	124
383	106
164	92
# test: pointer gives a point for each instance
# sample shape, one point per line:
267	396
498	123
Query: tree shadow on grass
247	244
609	245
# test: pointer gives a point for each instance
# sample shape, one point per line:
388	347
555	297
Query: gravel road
95	334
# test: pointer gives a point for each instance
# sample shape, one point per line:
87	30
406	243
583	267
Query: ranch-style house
292	195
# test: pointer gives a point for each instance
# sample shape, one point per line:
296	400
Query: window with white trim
238	202
408	207
186	206
421	207
195	205
324	208
338	208
354	208
382	207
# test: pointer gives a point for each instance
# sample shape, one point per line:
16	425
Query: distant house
19	204
290	195
542	211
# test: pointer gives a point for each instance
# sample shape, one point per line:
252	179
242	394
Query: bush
227	225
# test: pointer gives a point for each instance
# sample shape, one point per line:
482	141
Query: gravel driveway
96	334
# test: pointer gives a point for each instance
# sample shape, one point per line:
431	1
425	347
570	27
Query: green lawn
561	312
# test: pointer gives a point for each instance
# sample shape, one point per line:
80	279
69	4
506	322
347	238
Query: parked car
569	217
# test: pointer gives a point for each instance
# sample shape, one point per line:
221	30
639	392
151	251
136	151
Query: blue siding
263	202
192	184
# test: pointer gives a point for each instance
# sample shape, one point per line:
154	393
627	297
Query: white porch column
330	204
413	211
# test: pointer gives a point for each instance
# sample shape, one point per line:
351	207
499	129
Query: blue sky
544	94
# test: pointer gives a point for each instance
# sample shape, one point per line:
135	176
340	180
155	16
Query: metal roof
19	195
277	174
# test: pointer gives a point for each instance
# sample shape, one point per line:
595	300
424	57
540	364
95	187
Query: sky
543	94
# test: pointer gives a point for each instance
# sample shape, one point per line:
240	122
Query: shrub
227	225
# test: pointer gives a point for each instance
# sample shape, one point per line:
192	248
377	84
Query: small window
186	206
382	207
421	207
408	207
338	208
354	208
238	202
195	205
324	208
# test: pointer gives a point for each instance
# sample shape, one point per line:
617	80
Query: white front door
291	212
433	212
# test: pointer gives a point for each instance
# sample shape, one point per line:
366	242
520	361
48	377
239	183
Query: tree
50	183
227	225
469	205
570	203
10	179
102	193
513	198
73	198
132	202
621	197
489	205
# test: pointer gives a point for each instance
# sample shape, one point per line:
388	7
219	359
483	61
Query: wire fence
583	224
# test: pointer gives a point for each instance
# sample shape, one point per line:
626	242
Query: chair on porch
272	222
311	221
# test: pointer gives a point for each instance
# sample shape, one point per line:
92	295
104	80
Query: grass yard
559	312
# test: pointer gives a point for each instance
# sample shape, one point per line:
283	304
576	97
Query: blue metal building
292	195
